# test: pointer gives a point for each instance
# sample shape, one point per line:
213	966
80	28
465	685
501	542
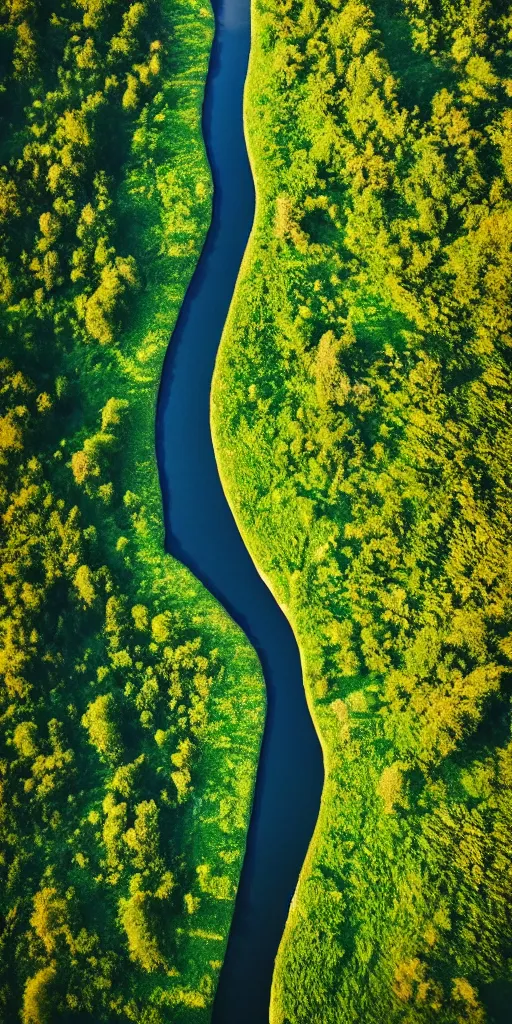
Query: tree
137	920
37	997
85	585
100	720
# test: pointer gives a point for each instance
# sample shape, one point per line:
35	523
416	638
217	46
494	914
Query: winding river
201	532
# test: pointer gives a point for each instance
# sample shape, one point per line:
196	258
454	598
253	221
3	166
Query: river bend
201	533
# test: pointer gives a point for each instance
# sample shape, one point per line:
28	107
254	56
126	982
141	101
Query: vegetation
131	705
362	413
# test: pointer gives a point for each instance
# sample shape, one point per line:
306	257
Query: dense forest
131	706
362	414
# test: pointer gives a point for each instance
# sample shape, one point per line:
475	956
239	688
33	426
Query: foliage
131	706
362	413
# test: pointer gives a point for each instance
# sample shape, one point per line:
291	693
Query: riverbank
257	141
202	533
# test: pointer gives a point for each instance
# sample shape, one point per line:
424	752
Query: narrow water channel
201	532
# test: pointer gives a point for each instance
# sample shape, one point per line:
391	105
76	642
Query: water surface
201	532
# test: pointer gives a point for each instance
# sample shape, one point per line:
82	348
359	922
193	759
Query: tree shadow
497	1000
419	76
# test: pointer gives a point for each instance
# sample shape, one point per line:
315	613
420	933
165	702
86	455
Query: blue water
201	532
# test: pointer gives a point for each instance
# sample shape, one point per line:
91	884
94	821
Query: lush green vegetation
362	416
131	705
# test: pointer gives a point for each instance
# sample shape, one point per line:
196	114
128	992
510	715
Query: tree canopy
362	414
131	706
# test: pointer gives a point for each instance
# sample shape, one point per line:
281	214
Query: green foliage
118	672
100	722
135	916
37	998
363	423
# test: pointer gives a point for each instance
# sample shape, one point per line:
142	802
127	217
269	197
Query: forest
362	417
131	705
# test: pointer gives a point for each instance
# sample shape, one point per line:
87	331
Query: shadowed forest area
131	705
362	418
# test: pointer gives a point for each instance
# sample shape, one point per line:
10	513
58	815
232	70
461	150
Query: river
201	532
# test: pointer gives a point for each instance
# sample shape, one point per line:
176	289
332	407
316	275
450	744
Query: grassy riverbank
131	706
362	419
